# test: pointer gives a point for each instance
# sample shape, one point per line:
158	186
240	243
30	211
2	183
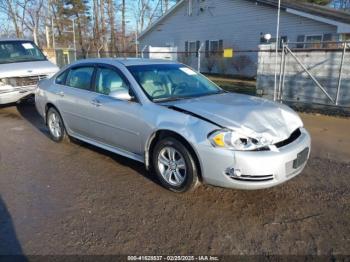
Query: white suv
22	66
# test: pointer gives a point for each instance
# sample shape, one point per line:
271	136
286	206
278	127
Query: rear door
75	98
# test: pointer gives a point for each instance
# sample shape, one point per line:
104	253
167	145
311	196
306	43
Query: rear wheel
55	124
174	165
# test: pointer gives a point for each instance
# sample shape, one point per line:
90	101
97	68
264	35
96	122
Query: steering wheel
177	89
157	91
160	89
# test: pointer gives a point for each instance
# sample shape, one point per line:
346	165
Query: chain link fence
309	73
316	73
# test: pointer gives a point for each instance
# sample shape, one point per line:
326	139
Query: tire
55	125
175	166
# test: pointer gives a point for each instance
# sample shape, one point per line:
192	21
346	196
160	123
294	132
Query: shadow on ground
28	111
10	247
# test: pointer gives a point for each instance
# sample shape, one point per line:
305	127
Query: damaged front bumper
255	169
15	94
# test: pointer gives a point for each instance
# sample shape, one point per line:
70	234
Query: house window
327	41
192	48
283	40
214	47
313	41
345	37
300	40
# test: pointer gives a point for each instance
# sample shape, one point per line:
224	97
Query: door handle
60	93
96	102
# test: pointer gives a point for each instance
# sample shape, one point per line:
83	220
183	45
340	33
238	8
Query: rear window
61	79
80	77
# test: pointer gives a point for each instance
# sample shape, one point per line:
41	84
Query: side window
301	39
108	81
60	79
80	77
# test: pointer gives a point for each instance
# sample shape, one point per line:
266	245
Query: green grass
247	87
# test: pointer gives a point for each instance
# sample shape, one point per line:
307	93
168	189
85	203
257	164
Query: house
241	25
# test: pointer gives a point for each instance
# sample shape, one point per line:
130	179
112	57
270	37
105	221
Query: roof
313	9
170	11
143	61
125	61
318	10
15	39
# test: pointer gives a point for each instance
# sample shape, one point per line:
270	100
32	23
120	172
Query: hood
28	69
248	115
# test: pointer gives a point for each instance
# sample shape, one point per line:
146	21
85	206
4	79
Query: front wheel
174	165
55	125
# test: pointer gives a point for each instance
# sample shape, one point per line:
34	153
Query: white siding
237	22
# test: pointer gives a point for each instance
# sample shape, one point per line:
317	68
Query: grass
247	87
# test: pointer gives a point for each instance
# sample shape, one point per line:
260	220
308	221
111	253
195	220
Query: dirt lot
77	199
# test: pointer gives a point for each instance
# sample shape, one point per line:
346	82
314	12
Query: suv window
108	81
80	77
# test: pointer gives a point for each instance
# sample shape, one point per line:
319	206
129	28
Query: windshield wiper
173	98
23	59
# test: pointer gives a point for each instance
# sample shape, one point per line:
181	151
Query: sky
130	16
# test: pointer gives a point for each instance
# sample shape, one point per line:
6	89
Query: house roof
323	11
170	11
312	9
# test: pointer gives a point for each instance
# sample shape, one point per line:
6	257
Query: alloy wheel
172	166
55	125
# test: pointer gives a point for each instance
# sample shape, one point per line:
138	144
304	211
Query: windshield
19	51
166	82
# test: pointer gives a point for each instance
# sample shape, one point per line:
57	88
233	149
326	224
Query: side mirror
122	95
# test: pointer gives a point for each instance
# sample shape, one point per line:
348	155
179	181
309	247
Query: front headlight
233	140
5	84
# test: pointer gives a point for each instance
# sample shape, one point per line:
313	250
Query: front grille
26	81
253	178
290	139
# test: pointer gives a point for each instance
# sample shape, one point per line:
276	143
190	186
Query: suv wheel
174	165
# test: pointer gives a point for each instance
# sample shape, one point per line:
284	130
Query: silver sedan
175	121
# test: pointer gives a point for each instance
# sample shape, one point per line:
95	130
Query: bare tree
241	62
32	16
111	11
11	9
123	9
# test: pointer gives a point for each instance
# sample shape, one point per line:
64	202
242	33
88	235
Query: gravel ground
74	198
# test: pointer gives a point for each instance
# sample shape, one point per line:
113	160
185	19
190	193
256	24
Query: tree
32	10
111	17
78	10
11	9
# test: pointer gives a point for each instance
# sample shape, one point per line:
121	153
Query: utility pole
277	46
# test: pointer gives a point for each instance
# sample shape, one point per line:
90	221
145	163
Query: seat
112	82
152	84
81	80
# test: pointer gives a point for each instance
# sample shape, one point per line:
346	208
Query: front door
116	122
